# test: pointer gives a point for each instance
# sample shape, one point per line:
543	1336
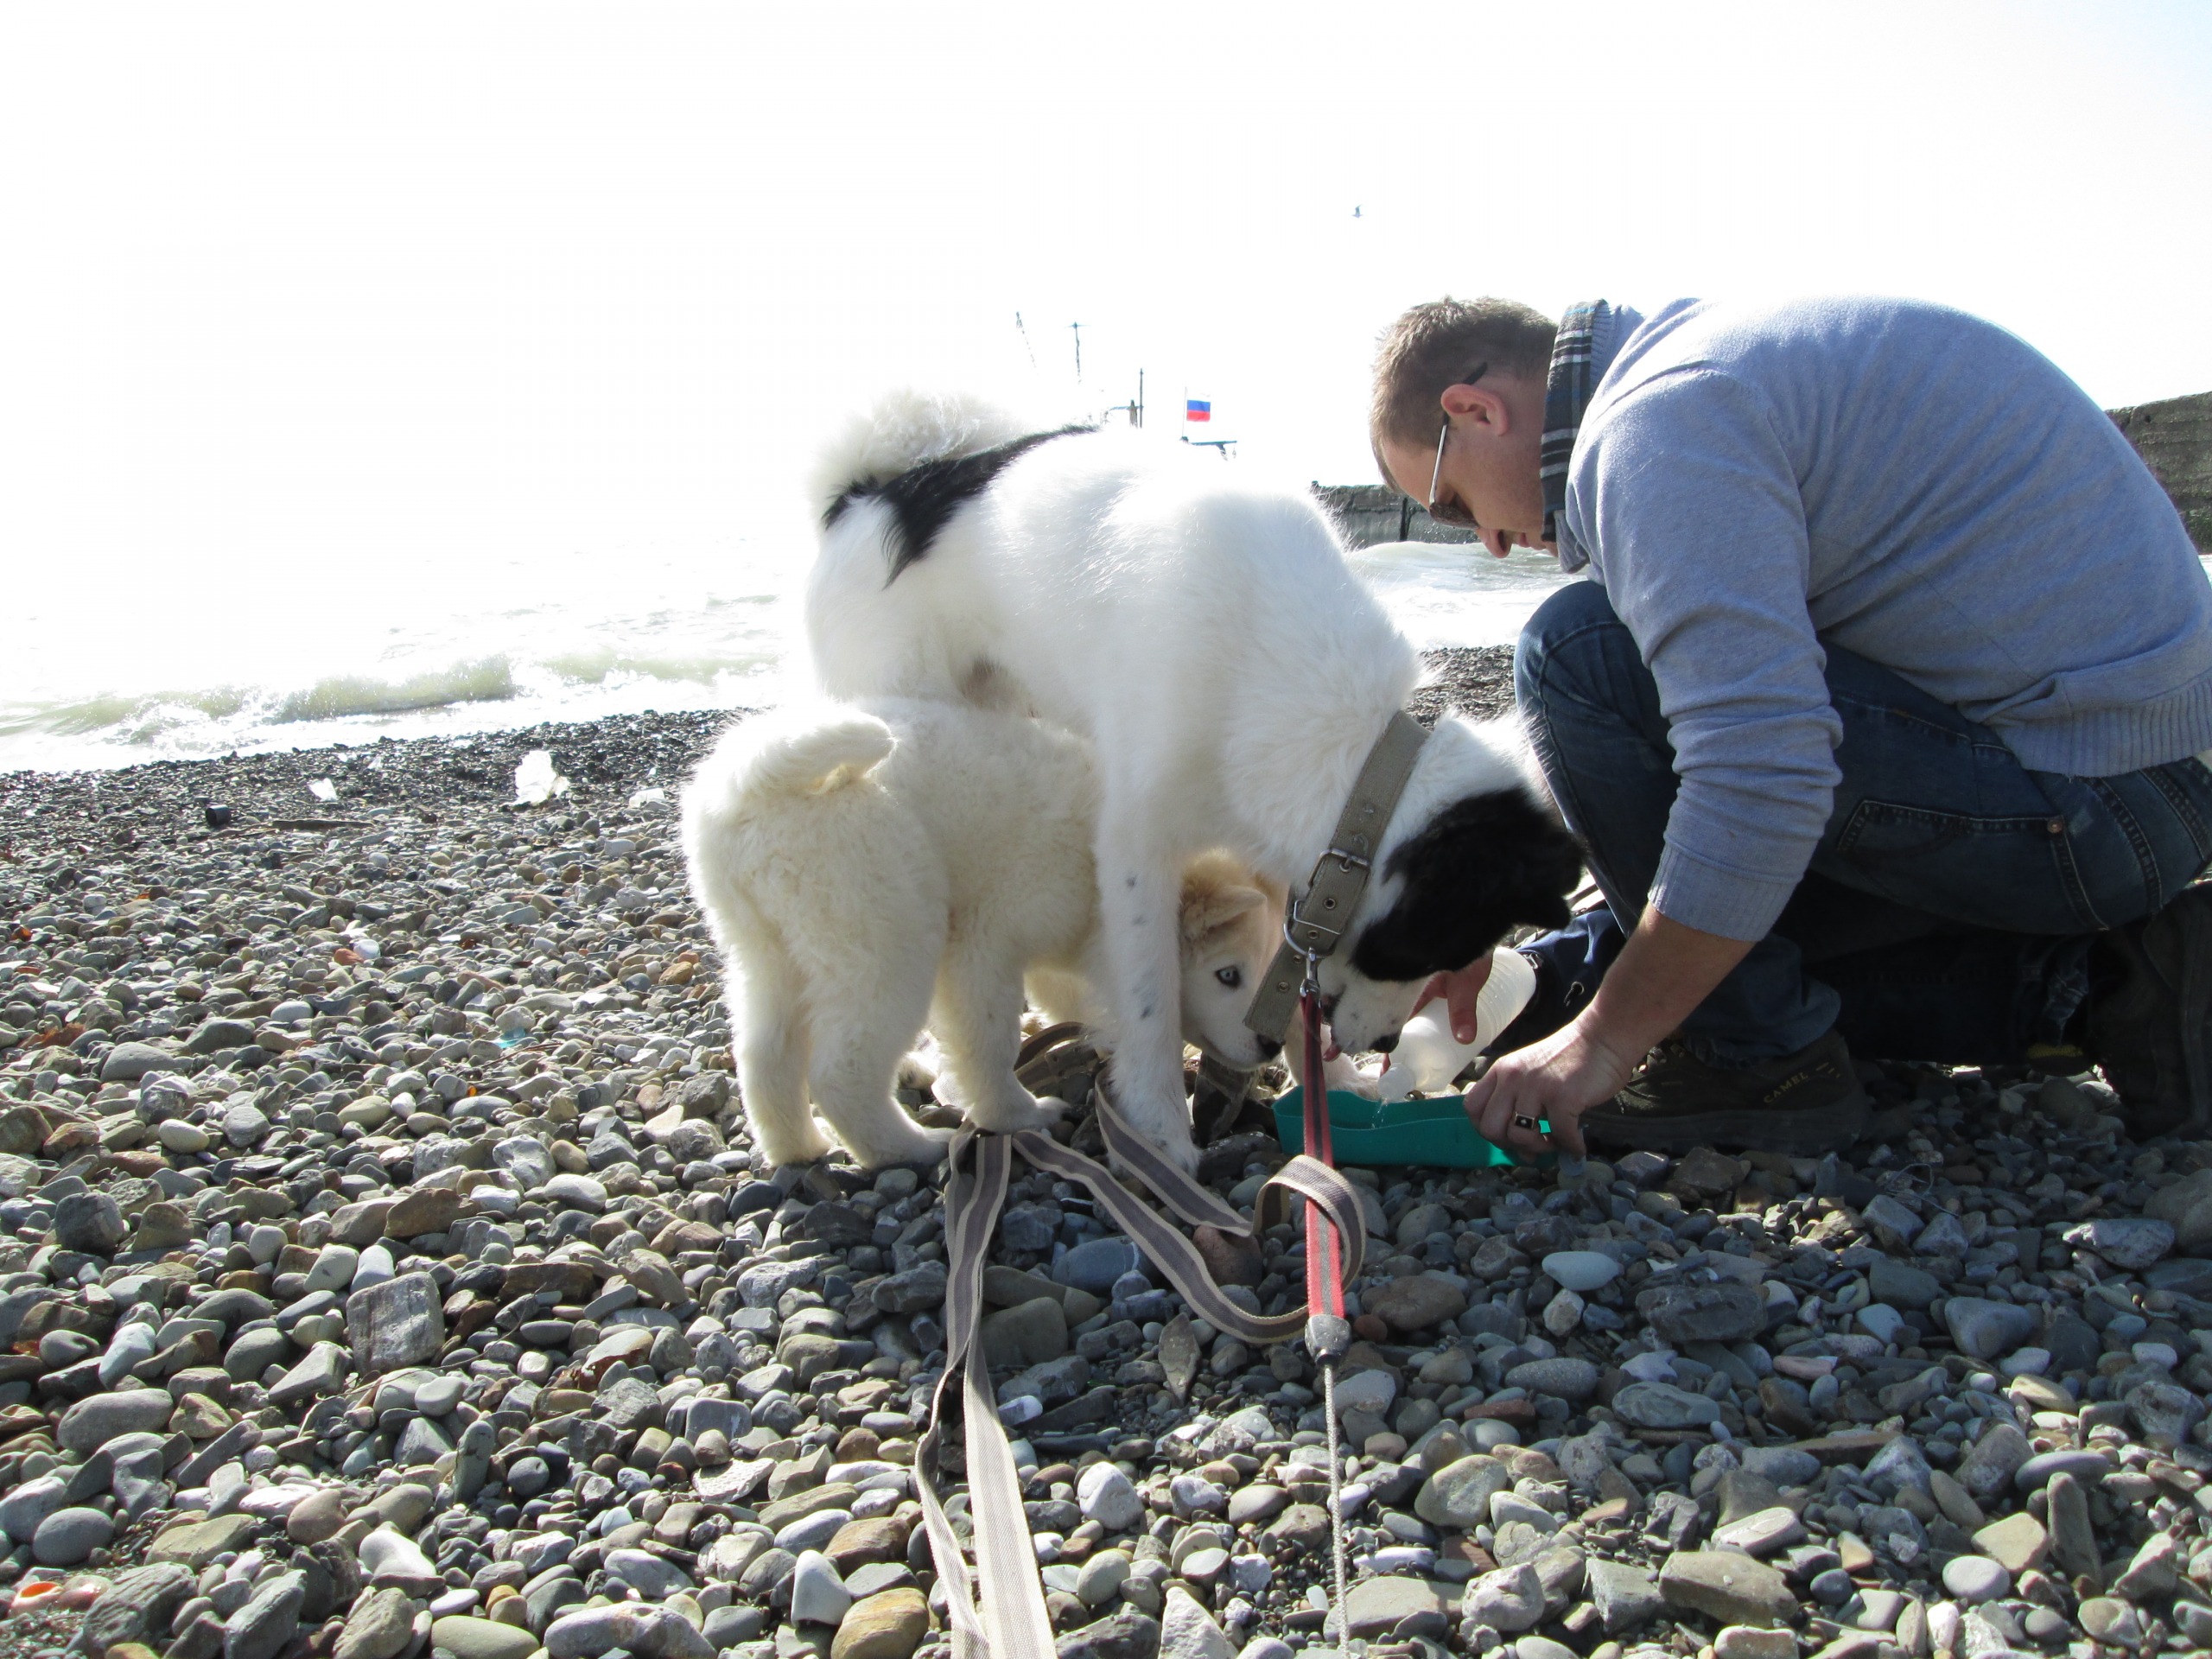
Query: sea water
177	660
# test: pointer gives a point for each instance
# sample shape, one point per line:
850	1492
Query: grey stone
1096	1263
1902	1285
323	1372
651	1577
818	1595
1458	1495
137	1607
1984	1329
30	1503
254	1352
1029	1334
1125	1634
1508	1600
1662	1405
2164	1413
572	1192
590	1631
66	1537
95	1421
1624	1596
1187	1631
245	1125
1102	1575
481	1638
1582	1271
526	1158
215	1035
1943	1236
1368	1391
1892	1224
1990	1464
2073	1345
1680	1314
1733	1589
1416	1301
1762	1532
2082	1463
1563	1377
390	1559
421	1442
379	1626
2073	1538
1975	1578
90	1222
2129	1242
271	1617
2186	1206
1107	1497
129	1062
1897	1465
2154	1573
2110	1619
397	1324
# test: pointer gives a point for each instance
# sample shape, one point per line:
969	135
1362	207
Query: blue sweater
1910	482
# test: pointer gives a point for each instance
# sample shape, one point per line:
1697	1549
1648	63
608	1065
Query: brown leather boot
1801	1105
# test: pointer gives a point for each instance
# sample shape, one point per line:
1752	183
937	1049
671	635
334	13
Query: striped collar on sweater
1568	388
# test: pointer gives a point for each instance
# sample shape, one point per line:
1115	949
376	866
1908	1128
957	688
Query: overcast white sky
314	281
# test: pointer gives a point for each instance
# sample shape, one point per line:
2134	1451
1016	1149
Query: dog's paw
914	1145
1040	1115
803	1146
1016	1109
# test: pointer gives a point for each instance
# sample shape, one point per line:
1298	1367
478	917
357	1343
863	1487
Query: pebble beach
385	1274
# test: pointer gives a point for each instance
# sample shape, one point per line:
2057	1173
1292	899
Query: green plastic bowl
1435	1132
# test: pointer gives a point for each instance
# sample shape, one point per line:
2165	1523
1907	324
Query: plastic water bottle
1428	1056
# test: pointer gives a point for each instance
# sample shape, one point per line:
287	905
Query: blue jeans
1951	904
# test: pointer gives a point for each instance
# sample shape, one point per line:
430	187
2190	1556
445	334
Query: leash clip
1310	986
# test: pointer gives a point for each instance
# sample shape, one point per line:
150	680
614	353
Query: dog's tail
902	430
822	753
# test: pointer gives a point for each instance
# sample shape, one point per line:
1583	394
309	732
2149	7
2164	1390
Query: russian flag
1198	409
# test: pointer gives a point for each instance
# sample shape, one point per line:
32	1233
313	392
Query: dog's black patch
1482	866
922	498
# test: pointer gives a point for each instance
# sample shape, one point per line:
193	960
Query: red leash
1325	1281
1328	1333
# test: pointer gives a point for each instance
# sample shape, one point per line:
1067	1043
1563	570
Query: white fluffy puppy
856	864
1208	637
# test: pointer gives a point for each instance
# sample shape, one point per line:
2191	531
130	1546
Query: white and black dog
1231	672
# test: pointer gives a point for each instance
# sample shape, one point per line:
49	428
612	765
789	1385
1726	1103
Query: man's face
1490	464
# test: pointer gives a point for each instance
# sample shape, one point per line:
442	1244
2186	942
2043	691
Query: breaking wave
513	645
487	680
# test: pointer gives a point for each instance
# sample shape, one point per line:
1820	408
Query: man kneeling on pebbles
1883	711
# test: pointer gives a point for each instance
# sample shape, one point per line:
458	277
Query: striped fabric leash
997	1609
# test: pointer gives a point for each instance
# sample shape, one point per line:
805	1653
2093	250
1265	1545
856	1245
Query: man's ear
1480	404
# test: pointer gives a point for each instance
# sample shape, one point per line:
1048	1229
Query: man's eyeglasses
1451	512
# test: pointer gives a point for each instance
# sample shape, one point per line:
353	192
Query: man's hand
1558	1077
1662	973
1459	988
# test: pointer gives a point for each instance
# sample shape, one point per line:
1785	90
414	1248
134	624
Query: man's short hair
1439	344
